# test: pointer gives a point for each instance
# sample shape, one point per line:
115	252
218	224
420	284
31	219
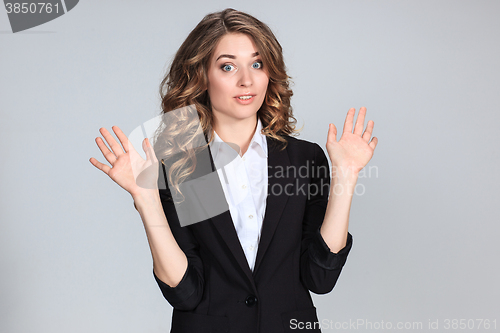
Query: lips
246	98
245	95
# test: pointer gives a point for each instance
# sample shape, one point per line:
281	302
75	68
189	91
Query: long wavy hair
184	86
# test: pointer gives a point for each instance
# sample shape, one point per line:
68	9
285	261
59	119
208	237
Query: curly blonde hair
185	84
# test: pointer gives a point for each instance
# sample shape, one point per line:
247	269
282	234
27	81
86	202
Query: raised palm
128	169
354	149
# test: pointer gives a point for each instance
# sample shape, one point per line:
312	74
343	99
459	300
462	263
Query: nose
245	79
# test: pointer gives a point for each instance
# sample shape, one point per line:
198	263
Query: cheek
264	84
216	89
263	81
220	82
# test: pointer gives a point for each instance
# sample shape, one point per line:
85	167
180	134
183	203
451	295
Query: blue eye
225	67
259	65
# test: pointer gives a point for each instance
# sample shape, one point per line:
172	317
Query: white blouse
244	182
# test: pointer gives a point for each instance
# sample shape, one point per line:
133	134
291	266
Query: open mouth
245	99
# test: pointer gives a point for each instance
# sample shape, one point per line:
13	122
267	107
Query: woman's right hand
128	169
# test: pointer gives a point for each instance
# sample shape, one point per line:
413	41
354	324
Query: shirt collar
258	139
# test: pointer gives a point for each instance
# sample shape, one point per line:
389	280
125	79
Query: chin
242	112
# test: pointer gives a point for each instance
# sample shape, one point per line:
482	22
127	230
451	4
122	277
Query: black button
251	300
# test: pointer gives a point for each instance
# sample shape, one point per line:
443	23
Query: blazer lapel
225	226
275	203
276	198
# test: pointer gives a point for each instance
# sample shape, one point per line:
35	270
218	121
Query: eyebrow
230	56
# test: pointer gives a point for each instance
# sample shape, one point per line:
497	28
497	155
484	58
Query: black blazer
220	293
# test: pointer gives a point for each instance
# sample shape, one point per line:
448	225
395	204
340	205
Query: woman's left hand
354	150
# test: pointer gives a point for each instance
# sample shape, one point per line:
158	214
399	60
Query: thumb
148	149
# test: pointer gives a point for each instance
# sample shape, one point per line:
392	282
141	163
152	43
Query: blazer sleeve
319	267
188	293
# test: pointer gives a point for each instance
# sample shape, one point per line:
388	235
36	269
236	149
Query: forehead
237	44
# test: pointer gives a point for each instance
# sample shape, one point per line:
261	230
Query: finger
150	154
369	130
332	133
147	150
108	154
127	145
115	147
103	167
360	121
349	120
373	143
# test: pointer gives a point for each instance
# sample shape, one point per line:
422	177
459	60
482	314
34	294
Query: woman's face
235	70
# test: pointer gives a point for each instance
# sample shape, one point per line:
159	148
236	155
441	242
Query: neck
239	132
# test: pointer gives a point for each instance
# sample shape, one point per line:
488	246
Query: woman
249	269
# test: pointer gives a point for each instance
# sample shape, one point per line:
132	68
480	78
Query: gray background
73	251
